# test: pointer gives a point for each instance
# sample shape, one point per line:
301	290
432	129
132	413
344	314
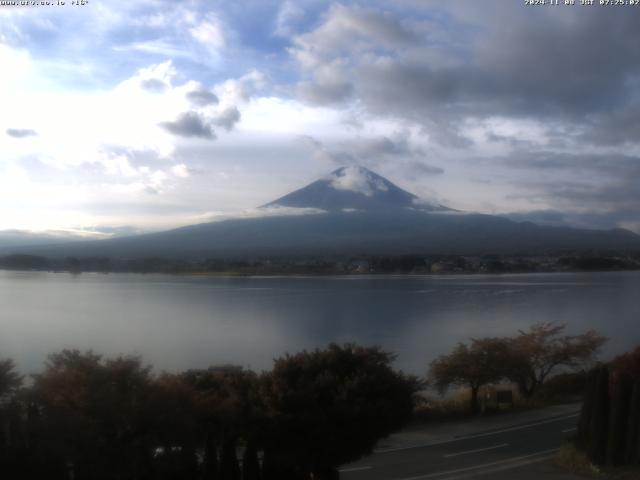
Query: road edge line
499	465
477	435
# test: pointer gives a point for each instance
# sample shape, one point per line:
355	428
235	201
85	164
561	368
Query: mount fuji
354	188
350	211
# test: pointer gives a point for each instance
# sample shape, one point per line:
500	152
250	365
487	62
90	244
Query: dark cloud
616	127
596	190
190	124
376	152
153	85
594	166
326	91
381	145
21	132
331	156
228	118
425	169
577	67
202	97
591	220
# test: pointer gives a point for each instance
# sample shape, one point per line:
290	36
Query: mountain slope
353	188
346	233
22	238
354	211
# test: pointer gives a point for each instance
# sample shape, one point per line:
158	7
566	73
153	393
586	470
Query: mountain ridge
353	187
354	211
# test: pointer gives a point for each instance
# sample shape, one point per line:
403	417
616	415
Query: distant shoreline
431	264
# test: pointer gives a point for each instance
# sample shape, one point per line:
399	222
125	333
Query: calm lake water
181	322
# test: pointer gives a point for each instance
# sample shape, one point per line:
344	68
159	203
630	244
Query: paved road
466	456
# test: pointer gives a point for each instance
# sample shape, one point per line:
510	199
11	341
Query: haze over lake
183	322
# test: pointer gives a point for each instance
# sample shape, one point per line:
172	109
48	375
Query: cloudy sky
121	116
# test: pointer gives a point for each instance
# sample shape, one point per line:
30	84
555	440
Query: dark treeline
85	417
416	264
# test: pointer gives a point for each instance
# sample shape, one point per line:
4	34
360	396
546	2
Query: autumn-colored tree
538	352
329	407
10	380
229	409
474	365
94	413
628	363
175	428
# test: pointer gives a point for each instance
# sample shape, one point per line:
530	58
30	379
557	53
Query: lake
178	322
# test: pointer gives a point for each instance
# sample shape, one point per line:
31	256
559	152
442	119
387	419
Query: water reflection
182	322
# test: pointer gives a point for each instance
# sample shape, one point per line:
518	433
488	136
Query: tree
95	413
250	462
629	363
175	428
620	391
229	408
10	382
599	421
632	451
474	365
609	426
329	407
536	353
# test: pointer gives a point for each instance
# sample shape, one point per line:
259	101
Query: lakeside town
337	265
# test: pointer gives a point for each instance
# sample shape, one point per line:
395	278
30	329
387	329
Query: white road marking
476	450
355	469
477	435
569	430
515	461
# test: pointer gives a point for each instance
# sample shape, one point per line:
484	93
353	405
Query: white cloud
237	91
180	170
288	15
120	165
271	211
209	32
97	145
356	179
158	47
16	66
366	75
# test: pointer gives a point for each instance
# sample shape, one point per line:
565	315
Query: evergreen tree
632	450
617	436
598	425
250	463
210	461
229	467
587	409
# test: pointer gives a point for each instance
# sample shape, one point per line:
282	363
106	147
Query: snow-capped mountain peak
353	188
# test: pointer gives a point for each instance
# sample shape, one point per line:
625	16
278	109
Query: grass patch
576	461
